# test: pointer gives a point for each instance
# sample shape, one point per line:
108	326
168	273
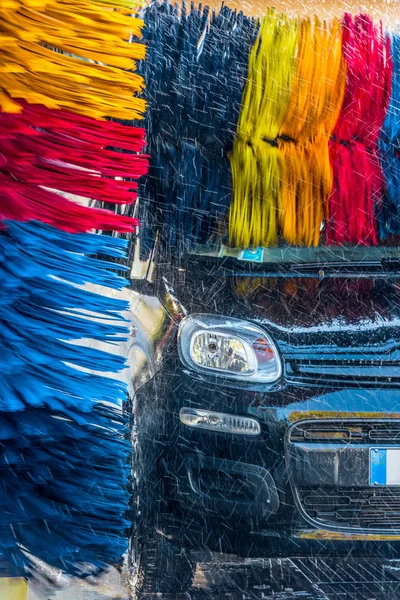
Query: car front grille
329	463
356	508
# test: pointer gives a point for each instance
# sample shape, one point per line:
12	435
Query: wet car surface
303	485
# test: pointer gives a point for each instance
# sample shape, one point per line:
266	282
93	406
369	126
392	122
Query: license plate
384	466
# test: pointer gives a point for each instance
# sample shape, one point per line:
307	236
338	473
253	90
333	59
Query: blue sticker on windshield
255	255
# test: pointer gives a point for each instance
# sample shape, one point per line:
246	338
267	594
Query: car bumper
236	493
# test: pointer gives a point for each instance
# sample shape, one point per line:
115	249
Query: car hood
313	305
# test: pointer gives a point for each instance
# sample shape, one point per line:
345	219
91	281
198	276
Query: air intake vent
389	434
345	432
363	508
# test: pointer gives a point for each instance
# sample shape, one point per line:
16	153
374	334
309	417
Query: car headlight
229	347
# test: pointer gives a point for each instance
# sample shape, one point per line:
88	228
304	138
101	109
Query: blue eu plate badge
384	466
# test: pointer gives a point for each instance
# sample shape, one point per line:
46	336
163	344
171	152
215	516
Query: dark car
267	408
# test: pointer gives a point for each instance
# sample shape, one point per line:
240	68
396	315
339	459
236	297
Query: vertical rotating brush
64	461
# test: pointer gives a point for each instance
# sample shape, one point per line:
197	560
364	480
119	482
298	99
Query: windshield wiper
376	267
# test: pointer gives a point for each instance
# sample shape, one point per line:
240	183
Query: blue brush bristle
195	71
64	459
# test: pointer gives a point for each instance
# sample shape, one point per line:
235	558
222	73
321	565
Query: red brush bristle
358	180
47	153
